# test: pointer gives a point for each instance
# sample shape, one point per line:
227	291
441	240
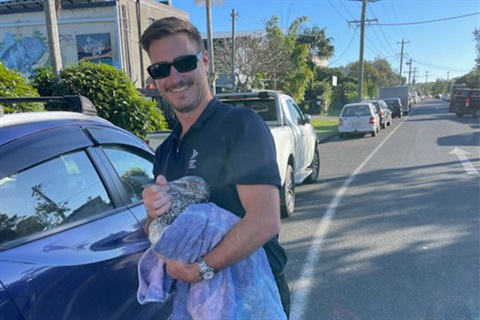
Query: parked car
72	218
467	102
395	105
358	118
384	113
455	93
296	142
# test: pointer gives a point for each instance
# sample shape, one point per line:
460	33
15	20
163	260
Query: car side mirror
307	118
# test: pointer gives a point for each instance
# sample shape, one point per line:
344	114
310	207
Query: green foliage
476	35
471	79
110	90
296	80
318	44
13	84
44	80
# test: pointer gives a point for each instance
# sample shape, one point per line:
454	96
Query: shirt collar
212	106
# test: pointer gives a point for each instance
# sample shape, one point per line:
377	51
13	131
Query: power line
440	67
339	13
383	33
351	40
346	9
428	21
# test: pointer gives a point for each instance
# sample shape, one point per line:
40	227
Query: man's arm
260	224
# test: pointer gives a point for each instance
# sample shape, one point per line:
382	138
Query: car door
300	135
71	245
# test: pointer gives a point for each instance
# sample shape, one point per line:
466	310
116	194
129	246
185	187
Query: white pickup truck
295	139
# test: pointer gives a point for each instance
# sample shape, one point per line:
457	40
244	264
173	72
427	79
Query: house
106	31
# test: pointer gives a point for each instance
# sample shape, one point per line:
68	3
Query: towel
244	290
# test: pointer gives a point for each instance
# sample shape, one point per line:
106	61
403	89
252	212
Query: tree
111	91
377	74
471	79
12	85
255	57
318	44
476	34
52	8
296	80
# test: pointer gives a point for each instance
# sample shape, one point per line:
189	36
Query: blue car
71	218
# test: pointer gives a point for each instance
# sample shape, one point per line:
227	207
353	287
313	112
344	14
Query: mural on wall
24	54
95	48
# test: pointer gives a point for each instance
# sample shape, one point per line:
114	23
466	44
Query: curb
326	137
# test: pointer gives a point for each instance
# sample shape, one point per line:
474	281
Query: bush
110	90
12	85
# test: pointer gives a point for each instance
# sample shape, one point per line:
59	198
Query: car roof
16	125
359	104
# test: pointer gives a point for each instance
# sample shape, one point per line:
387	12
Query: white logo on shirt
193	161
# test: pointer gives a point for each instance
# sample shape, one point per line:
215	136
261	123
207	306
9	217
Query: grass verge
324	127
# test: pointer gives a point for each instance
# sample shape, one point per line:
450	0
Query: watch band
206	272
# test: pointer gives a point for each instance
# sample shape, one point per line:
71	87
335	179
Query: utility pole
426	82
233	15
362	40
401	59
211	64
414	75
409	70
52	35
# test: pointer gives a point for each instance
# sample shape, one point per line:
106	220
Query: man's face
184	91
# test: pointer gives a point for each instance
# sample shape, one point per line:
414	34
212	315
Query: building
106	31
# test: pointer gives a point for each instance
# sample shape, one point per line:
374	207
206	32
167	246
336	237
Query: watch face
207	275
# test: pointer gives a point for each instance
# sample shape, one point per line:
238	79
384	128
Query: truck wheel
315	166
476	113
287	194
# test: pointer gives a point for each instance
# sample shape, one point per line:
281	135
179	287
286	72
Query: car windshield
357	111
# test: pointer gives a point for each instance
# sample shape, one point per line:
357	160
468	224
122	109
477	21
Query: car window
295	112
50	194
357	111
134	171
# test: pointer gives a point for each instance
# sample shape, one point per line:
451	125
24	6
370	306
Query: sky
437	34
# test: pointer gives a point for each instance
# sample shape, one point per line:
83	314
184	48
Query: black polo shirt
226	146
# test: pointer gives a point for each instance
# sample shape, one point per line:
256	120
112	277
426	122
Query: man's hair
169	26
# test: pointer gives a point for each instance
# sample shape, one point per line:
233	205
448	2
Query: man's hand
157	199
186	272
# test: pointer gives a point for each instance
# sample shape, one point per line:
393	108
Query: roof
16	6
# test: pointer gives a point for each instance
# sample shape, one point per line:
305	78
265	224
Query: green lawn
325	127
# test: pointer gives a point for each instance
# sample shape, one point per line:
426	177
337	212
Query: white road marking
301	289
462	157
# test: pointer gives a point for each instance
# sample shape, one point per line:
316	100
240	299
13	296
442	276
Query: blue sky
443	49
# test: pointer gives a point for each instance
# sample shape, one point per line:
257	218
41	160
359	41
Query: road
392	228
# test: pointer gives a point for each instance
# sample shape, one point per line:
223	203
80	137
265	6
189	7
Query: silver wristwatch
206	272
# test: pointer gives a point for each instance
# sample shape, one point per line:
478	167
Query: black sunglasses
183	64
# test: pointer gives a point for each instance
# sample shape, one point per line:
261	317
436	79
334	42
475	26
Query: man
231	148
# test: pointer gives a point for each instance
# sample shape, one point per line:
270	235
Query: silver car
358	118
384	114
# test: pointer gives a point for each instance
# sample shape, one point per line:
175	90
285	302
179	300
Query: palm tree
318	44
52	7
210	41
